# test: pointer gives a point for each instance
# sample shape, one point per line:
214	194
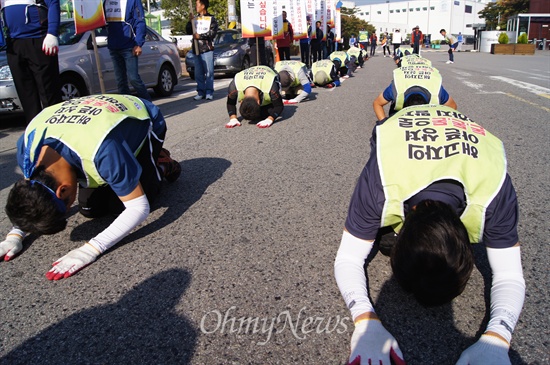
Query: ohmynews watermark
300	326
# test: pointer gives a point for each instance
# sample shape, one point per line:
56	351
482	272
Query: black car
231	54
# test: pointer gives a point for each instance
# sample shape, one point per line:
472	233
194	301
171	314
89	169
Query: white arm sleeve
136	212
507	290
350	274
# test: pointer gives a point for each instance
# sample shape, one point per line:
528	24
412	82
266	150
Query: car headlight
229	53
5	73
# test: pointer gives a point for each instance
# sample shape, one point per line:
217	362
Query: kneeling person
259	90
106	147
325	74
295	81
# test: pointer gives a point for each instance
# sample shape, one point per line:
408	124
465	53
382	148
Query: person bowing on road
295	81
259	90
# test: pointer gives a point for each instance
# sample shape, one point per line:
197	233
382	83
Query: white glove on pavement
12	244
50	46
374	344
72	262
488	350
234	122
266	123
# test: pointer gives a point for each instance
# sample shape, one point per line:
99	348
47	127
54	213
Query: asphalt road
235	264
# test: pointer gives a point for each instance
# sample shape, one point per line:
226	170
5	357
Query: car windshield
66	34
226	38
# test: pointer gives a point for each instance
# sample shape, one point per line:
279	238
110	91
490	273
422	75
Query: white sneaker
198	97
449	62
209	97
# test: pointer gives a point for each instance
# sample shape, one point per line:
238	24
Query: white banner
256	19
321	15
297	17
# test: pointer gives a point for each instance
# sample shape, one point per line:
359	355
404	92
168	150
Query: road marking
535	89
462	73
528	102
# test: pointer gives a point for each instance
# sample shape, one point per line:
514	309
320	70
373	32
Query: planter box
526	49
436	46
502	48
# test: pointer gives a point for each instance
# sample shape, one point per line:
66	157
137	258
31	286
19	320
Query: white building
430	15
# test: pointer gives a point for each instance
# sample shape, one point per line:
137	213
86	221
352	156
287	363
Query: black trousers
305	54
317	52
284	53
36	76
98	202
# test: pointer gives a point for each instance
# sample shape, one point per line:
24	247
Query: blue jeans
204	73
126	66
451	53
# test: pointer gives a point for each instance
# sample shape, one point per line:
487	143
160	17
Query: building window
379	12
411	9
398	11
367	13
432	7
424	9
391	11
404	10
417	9
468	9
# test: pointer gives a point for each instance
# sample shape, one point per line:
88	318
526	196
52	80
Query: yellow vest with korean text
323	65
423	144
294	66
261	77
83	124
341	55
354	51
406	78
414	60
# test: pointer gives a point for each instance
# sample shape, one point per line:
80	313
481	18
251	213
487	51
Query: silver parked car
159	66
231	54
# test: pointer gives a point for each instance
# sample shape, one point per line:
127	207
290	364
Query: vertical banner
310	11
277	7
330	13
338	22
321	15
88	14
256	19
298	19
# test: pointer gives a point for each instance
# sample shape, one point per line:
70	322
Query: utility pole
231	11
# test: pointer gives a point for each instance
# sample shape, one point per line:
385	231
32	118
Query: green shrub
437	41
522	39
503	38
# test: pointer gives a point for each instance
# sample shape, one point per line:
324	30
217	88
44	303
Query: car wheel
246	63
166	81
72	86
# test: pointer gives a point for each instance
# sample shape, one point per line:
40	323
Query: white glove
72	262
488	350
234	122
50	46
374	344
12	245
266	123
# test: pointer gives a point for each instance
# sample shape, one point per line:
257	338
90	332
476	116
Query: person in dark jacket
126	37
316	48
416	39
32	31
206	28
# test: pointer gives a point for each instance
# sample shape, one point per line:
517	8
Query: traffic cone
277	58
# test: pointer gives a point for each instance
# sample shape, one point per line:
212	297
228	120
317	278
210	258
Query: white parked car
159	66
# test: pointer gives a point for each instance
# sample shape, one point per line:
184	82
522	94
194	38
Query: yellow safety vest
427	143
323	65
406	78
341	55
414	60
82	125
261	77
294	66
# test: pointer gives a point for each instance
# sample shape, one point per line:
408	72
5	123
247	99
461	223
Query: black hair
31	206
432	257
285	79
206	3
250	109
442	30
415	99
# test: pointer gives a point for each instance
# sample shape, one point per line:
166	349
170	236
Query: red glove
330	86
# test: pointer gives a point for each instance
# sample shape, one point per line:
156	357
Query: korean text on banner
330	12
256	18
321	15
88	14
298	18
277	7
338	22
202	24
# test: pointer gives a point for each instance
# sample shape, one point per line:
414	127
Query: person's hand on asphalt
72	262
290	102
330	86
488	350
50	46
373	344
11	246
234	122
266	123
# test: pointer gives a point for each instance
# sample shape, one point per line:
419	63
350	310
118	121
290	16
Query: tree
502	10
352	25
177	12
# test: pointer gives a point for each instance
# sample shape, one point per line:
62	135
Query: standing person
305	45
453	44
438	208
352	41
385	44
331	39
316	49
116	169
32	31
259	90
416	39
396	40
283	44
126	30
460	39
206	28
373	42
